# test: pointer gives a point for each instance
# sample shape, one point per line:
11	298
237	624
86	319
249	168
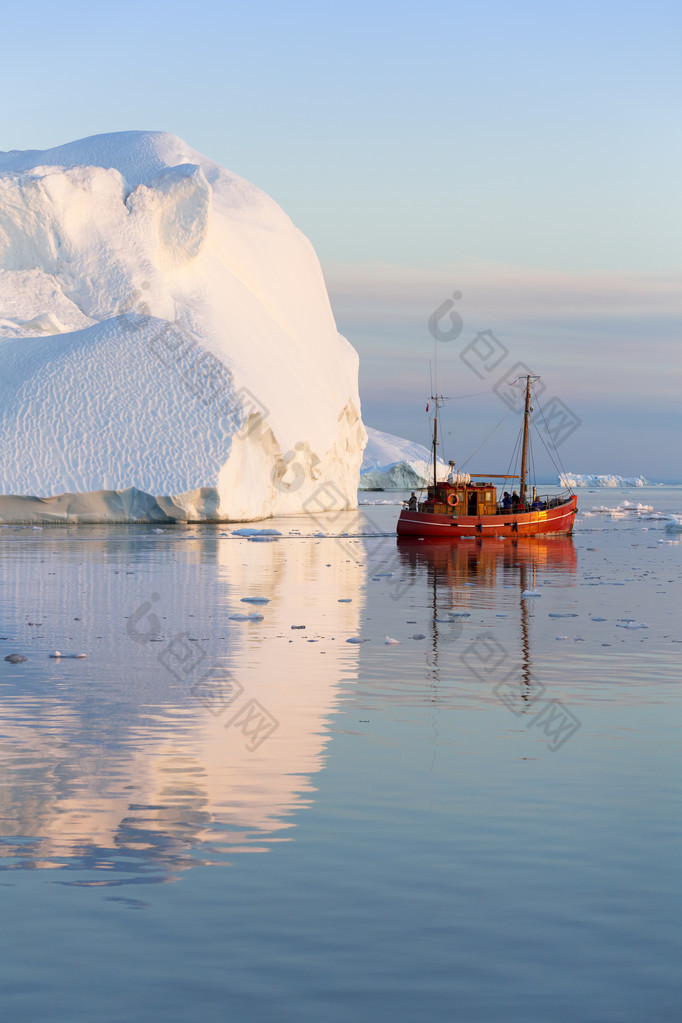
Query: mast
524	446
435	442
439	399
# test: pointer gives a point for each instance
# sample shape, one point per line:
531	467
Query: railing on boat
541	503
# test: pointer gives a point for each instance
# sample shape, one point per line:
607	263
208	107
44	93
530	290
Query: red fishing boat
461	506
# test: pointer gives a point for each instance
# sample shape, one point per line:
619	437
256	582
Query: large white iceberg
392	463
165	327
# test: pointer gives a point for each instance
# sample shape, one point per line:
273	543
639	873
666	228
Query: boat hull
557	521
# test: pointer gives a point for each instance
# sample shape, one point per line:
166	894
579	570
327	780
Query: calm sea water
213	818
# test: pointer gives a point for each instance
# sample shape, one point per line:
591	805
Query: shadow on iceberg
102	506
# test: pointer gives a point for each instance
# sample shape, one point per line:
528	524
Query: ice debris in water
356	639
631	625
253	617
531	593
563	614
249	531
418	635
15	658
75	657
345	600
389	641
255	600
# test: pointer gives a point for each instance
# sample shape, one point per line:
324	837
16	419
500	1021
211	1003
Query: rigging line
513	461
467	460
531	458
476	394
559	469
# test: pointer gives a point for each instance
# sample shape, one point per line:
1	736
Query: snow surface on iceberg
573	480
392	463
165	327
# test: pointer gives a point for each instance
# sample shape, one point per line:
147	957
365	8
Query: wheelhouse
460	499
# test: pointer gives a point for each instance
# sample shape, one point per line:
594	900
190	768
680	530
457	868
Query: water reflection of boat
482	560
451	569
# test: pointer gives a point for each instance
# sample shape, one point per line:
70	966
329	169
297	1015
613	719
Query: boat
467	505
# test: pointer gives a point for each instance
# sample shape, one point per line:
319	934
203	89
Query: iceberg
393	463
574	480
165	330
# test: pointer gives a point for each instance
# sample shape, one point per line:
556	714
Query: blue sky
526	154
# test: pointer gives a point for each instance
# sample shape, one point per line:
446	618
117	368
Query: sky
524	156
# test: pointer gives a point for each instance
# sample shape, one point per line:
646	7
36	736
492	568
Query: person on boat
515	502
536	505
506	501
412	503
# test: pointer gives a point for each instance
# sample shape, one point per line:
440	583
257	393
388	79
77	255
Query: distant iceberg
574	480
393	463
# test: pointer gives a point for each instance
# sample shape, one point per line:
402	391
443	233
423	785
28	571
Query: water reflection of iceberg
120	764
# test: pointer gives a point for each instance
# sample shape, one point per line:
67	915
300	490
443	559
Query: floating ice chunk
345	600
599	619
298	626
15	658
531	593
255	600
253	617
356	639
389	641
563	614
73	657
631	625
561	637
418	635
250	531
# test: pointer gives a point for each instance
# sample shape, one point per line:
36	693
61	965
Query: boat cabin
461	499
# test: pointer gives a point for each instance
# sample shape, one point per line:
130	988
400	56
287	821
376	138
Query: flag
427	406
